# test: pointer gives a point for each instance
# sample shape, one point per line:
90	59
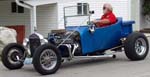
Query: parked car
86	41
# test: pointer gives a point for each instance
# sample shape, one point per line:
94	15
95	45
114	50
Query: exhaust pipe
99	56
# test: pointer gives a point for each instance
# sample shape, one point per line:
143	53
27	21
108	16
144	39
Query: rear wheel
13	56
47	59
136	46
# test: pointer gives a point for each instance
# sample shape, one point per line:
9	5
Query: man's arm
102	22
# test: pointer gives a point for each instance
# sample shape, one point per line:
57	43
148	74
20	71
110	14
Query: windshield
76	15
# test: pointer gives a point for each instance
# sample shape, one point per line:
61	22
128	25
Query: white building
50	12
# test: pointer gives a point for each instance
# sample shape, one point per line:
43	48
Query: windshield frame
78	15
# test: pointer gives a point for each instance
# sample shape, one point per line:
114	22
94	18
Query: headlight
25	42
44	41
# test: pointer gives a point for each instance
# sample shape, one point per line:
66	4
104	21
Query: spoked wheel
136	46
47	59
13	56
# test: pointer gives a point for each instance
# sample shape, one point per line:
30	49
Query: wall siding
46	17
121	8
51	16
7	18
135	14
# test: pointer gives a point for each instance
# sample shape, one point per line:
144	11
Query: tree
146	7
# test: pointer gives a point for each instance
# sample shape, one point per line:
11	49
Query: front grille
34	41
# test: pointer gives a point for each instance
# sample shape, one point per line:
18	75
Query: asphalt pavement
108	67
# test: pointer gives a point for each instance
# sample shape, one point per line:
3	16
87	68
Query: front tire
10	54
136	46
47	59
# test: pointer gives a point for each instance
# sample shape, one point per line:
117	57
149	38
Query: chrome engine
68	42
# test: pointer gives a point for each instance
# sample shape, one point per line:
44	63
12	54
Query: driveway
119	67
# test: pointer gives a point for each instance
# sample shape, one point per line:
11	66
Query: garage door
46	18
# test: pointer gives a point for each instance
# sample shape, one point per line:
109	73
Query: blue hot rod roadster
76	41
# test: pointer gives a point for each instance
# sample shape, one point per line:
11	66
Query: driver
108	17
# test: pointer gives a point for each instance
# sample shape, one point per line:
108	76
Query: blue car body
103	38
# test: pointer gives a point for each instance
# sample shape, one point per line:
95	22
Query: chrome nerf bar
98	56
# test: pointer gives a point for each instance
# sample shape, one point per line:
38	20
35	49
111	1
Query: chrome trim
43	41
25	42
69	49
10	53
72	56
71	53
92	28
99	56
26	46
75	47
48	59
140	46
40	36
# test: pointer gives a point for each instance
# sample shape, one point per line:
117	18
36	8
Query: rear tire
9	54
136	46
47	59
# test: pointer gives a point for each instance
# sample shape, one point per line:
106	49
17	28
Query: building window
82	8
16	9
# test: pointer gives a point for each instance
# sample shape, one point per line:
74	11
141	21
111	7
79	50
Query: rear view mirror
91	12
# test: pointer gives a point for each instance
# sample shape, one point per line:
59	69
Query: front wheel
136	46
13	56
47	59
